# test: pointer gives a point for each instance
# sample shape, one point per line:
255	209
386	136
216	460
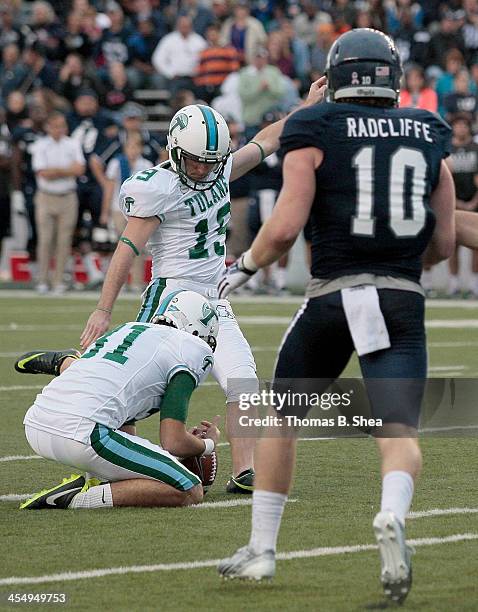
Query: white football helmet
200	133
190	312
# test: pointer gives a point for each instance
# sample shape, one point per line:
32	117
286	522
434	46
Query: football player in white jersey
181	209
135	370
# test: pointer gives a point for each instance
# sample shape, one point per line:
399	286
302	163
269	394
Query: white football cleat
248	565
395	555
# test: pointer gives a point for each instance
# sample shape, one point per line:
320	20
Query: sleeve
78	152
112	170
38	159
305	128
442	134
195	358
146	194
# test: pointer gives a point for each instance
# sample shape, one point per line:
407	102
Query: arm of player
108	191
174	410
289	216
442	201
138	230
267	140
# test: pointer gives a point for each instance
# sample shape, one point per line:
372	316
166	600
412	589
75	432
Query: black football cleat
243	483
58	497
44	362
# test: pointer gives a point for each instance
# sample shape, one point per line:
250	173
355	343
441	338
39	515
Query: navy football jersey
371	212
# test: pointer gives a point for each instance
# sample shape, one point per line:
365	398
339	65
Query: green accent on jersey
22	362
145	175
175	402
208	361
221	216
99	444
198	251
99	344
117	354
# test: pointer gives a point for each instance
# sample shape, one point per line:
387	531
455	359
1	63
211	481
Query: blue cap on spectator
87	92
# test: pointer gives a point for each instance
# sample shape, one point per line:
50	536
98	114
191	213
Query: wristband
104	310
130	244
248	264
209	446
263	155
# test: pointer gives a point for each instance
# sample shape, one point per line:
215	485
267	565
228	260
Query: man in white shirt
57	161
177	54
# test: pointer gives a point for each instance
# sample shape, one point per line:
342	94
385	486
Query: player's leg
317	347
395	380
235	371
131	471
466	223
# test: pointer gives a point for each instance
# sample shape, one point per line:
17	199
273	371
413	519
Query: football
204	467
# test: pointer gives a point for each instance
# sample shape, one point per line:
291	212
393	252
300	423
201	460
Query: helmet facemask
217	168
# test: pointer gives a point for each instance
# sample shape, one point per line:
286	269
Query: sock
267	509
397	493
427	279
96	497
280	275
91	268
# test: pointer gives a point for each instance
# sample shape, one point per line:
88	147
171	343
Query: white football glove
17	200
236	275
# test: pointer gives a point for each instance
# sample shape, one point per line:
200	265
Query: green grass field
336	492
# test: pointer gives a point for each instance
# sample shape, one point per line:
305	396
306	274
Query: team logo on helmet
181	122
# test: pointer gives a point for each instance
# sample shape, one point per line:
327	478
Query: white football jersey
190	241
122	376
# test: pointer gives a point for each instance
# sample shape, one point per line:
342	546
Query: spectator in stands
23	176
306	22
39	71
16	110
463	163
201	16
280	54
261	88
177	54
343	15
245	33
470	28
9	32
395	12
57	161
411	39
74	38
300	53
325	36
462	100
150	10
376	14
5	178
46	30
216	62
447	38
416	93
113	44
220	11
76	76
118	90
11	70
453	63
141	46
132	117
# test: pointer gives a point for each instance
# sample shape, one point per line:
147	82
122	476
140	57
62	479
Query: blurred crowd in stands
87	88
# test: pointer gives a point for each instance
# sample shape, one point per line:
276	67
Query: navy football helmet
363	63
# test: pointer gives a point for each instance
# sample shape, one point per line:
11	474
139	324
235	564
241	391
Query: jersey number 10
363	223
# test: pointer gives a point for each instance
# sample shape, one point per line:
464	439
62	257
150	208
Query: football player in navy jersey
381	199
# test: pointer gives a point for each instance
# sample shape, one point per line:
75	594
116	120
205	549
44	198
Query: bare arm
249	156
442	244
98	169
138	230
292	209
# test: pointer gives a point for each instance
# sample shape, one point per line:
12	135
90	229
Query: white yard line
230	503
19	458
441	512
189	565
447	368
